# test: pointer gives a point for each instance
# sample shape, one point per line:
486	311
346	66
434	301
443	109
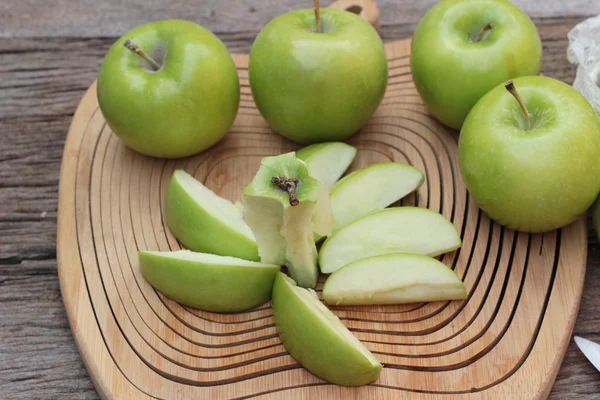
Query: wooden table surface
50	52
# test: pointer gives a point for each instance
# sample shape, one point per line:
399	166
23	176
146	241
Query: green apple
205	222
207	281
174	94
371	188
317	339
392	230
534	173
315	86
395	278
328	161
462	49
280	204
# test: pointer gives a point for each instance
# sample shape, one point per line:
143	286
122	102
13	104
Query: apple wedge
327	161
392	230
317	339
280	205
322	219
395	278
207	281
205	222
371	188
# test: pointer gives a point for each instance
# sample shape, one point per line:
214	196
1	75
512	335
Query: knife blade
590	349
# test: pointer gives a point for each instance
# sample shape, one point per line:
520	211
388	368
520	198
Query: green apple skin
317	339
183	108
372	188
207	281
532	180
397	278
451	71
205	222
328	161
392	230
316	87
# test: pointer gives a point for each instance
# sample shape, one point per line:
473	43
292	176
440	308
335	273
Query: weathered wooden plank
90	18
38	358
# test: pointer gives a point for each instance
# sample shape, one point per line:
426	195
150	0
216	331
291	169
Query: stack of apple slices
375	255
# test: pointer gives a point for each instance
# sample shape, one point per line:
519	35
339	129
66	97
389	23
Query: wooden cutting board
505	341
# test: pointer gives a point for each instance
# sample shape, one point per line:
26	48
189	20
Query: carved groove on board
523	290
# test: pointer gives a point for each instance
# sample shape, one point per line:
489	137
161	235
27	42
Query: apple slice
207	281
395	278
279	206
322	220
317	339
392	230
327	161
371	188
205	222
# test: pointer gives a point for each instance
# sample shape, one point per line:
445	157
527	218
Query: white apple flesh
322	220
328	161
300	250
371	188
396	278
392	230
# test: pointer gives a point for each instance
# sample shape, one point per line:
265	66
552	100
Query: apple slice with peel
207	281
371	188
395	278
392	230
327	161
205	222
280	204
317	339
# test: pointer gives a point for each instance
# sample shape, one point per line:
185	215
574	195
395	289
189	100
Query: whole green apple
169	89
317	86
462	49
532	173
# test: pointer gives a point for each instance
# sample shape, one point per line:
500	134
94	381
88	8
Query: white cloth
584	50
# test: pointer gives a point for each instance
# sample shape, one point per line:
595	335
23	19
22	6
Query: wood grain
91	18
507	340
45	67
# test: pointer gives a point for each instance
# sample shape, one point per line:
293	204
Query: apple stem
483	31
134	48
510	86
318	16
289	185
